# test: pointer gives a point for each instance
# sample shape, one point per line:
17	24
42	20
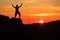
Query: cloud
31	3
56	2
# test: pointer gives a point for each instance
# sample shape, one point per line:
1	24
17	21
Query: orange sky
33	11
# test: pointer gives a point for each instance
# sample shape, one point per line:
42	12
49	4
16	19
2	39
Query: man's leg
19	14
15	14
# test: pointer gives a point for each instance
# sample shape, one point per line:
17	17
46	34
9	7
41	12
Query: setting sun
41	21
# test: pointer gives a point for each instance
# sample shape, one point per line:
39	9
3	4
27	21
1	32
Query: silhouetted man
17	10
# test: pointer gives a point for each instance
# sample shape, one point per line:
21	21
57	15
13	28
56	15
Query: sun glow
46	14
41	21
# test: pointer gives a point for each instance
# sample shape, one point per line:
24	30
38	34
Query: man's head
16	5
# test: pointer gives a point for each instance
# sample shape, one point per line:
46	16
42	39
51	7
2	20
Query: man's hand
21	4
13	6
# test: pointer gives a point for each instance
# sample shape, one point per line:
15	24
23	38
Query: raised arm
13	6
21	4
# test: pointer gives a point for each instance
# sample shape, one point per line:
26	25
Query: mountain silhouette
15	27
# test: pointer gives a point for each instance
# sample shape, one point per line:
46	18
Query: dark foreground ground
15	27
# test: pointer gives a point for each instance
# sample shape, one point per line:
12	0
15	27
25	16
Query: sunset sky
32	11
